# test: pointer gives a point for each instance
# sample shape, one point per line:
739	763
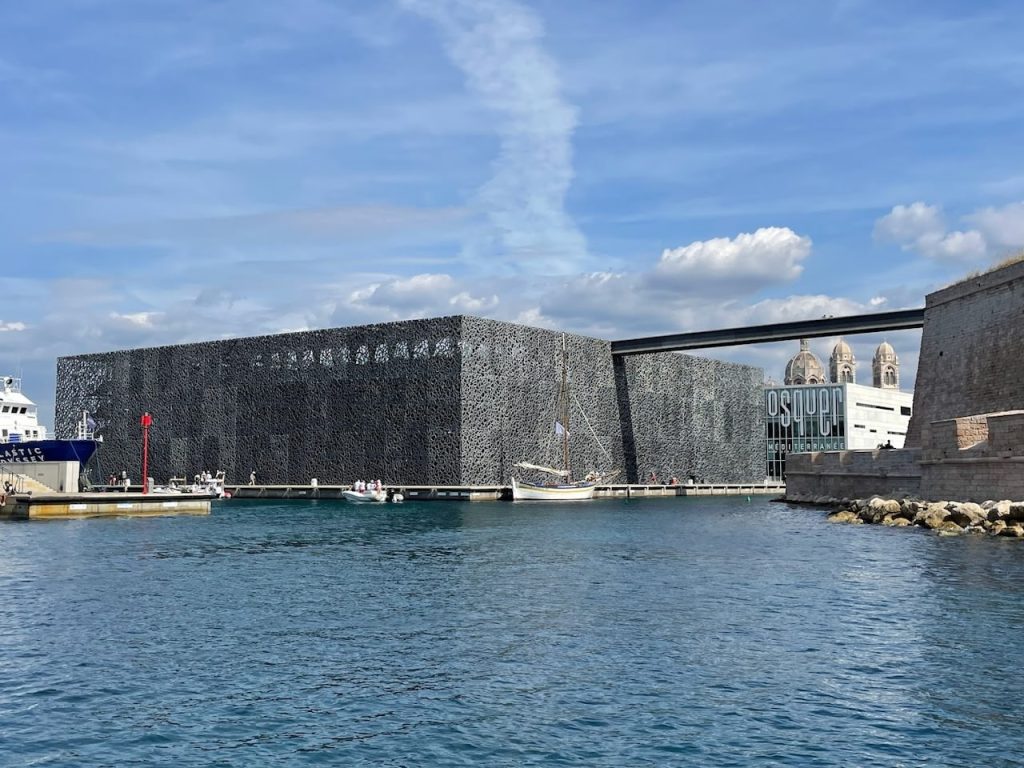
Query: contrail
497	45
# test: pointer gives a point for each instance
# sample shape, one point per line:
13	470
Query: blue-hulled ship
23	439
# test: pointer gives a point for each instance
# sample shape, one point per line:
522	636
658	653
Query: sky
184	170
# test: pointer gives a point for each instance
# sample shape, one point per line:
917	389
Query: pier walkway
499	492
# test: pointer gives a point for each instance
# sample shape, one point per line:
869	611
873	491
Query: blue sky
181	171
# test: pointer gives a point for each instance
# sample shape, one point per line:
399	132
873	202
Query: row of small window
361	356
888	432
904	409
13	409
26	433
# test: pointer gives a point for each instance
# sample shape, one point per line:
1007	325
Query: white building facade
809	413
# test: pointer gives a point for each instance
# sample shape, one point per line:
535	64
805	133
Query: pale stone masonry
849	474
966	435
976	458
972	350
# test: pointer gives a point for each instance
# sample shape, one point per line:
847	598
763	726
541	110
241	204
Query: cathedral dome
885	353
805	367
842	364
842	351
885	367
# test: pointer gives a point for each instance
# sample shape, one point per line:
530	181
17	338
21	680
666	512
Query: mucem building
445	401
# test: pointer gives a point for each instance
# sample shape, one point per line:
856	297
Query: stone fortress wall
972	350
452	401
966	434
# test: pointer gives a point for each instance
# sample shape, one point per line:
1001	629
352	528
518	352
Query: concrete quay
498	492
55	506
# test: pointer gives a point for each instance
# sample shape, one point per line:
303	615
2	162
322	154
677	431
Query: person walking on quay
252	477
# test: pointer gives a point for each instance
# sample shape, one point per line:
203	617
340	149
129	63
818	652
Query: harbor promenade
499	492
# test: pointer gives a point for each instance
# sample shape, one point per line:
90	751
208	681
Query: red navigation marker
146	422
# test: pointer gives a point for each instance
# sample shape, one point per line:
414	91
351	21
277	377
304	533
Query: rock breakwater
948	518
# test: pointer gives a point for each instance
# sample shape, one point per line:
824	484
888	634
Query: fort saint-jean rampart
966	436
452	400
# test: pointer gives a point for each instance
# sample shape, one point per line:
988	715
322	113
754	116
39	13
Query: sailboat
561	487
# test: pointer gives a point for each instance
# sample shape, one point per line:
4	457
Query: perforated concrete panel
454	400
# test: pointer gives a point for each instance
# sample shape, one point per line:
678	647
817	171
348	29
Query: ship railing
86	428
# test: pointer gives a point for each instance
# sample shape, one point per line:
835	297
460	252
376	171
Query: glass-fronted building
831	417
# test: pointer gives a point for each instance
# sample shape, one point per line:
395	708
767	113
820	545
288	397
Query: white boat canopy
539	468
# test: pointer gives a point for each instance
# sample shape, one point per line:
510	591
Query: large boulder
999	511
967	513
1016	530
1016	511
949	528
843	516
896	521
931	516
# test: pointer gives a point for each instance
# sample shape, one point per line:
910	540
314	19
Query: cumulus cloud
908	224
922	228
417	296
141	319
747	261
1002	226
497	45
11	326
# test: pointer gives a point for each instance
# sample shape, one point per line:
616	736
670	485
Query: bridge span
756	334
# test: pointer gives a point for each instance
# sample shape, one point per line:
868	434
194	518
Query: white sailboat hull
522	491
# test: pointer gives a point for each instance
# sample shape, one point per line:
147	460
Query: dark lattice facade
453	400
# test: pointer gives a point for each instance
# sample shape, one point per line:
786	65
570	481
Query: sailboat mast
564	402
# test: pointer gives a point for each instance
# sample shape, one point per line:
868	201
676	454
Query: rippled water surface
718	632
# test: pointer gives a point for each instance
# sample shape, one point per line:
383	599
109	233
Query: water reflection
660	631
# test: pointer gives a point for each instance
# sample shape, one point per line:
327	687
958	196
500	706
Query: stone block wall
972	350
853	474
950	436
1006	433
991	467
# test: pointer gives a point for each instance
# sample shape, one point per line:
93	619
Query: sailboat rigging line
597	440
565	411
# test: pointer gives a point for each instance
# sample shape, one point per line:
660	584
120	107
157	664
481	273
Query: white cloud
417	296
907	224
969	246
922	228
12	326
798	307
141	319
1003	226
496	43
749	260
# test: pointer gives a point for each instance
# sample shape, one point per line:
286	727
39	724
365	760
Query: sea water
645	632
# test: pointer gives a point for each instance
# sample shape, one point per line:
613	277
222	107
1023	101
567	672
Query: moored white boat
23	439
205	484
524	491
362	497
563	488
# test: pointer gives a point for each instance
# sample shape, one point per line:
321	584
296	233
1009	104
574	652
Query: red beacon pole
146	422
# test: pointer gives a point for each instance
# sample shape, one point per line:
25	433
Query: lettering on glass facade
802	418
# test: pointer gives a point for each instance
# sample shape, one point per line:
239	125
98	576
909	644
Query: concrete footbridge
755	334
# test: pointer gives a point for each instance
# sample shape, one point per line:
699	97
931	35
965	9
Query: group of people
362	486
123	481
